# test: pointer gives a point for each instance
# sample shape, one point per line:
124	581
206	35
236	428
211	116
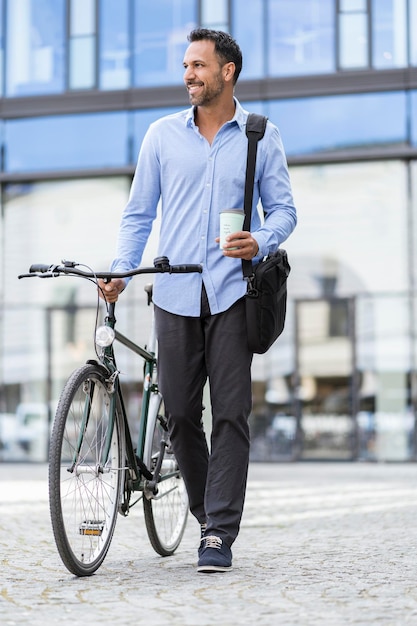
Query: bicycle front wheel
85	468
166	511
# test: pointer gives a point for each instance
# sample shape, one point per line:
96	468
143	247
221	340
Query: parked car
24	434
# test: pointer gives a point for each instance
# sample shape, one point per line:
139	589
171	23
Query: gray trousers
190	350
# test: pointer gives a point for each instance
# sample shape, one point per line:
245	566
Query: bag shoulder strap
256	123
255	130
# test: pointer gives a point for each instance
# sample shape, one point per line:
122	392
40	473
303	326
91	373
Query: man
195	162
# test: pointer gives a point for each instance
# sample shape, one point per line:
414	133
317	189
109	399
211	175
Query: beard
210	93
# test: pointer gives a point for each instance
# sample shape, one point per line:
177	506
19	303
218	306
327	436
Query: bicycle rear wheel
85	464
166	512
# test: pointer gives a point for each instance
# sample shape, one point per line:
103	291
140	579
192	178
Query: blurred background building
80	82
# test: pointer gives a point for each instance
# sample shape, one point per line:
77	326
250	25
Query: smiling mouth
194	86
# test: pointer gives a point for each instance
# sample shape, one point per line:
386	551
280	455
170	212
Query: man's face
203	75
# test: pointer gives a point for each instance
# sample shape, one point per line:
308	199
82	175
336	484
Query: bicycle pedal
92	528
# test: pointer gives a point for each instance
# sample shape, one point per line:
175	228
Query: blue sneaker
214	555
203	528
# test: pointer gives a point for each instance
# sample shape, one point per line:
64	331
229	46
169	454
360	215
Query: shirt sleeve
275	193
141	209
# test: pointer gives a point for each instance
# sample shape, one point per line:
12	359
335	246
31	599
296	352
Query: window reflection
52	45
114	44
413	263
325	371
214	14
349	212
82	17
353	5
342	251
248	28
385	378
307	125
1	48
300	37
161	31
82	63
389	33
82	44
68	141
317	124
75	220
353	40
413	31
35	46
413	114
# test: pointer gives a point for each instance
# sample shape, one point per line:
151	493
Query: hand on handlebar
111	290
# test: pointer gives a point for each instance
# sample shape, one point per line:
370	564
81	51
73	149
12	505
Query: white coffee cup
231	221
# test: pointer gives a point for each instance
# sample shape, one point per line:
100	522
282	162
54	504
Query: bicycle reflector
104	336
92	527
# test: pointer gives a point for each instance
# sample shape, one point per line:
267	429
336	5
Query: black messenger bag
266	295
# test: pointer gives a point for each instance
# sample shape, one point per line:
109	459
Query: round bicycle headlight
104	336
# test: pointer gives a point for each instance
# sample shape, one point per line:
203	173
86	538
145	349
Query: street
320	543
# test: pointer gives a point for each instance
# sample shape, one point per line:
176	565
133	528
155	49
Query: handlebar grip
185	269
40	268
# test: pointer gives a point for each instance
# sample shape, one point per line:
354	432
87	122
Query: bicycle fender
100	366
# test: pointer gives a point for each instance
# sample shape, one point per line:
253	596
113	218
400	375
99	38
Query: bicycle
94	468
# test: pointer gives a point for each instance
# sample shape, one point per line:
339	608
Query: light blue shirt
195	181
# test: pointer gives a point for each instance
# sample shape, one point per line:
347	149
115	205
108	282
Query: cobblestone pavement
321	543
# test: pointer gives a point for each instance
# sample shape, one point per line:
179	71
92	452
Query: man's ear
229	71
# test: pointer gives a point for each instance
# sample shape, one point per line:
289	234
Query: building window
389	33
82	44
215	14
314	125
412	32
413	117
89	140
114	44
372	209
35	44
248	28
1	49
300	37
161	30
353	34
373	33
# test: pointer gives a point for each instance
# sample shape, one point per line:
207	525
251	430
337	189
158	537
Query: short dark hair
224	44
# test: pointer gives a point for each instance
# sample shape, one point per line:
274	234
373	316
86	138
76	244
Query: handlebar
69	268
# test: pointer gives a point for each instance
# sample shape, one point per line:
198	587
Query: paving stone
320	543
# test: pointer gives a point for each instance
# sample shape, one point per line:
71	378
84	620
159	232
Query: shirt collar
239	117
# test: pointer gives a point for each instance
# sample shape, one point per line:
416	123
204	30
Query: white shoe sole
209	569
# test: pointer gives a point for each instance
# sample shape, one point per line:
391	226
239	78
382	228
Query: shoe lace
212	542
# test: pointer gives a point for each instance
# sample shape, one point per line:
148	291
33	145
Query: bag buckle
251	291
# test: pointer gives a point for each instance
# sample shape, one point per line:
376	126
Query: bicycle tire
84	487
167	511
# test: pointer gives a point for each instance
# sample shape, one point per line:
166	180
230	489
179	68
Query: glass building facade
80	81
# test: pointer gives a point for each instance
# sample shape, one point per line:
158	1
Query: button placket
205	207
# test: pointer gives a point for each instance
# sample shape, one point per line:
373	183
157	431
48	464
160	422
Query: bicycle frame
141	478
